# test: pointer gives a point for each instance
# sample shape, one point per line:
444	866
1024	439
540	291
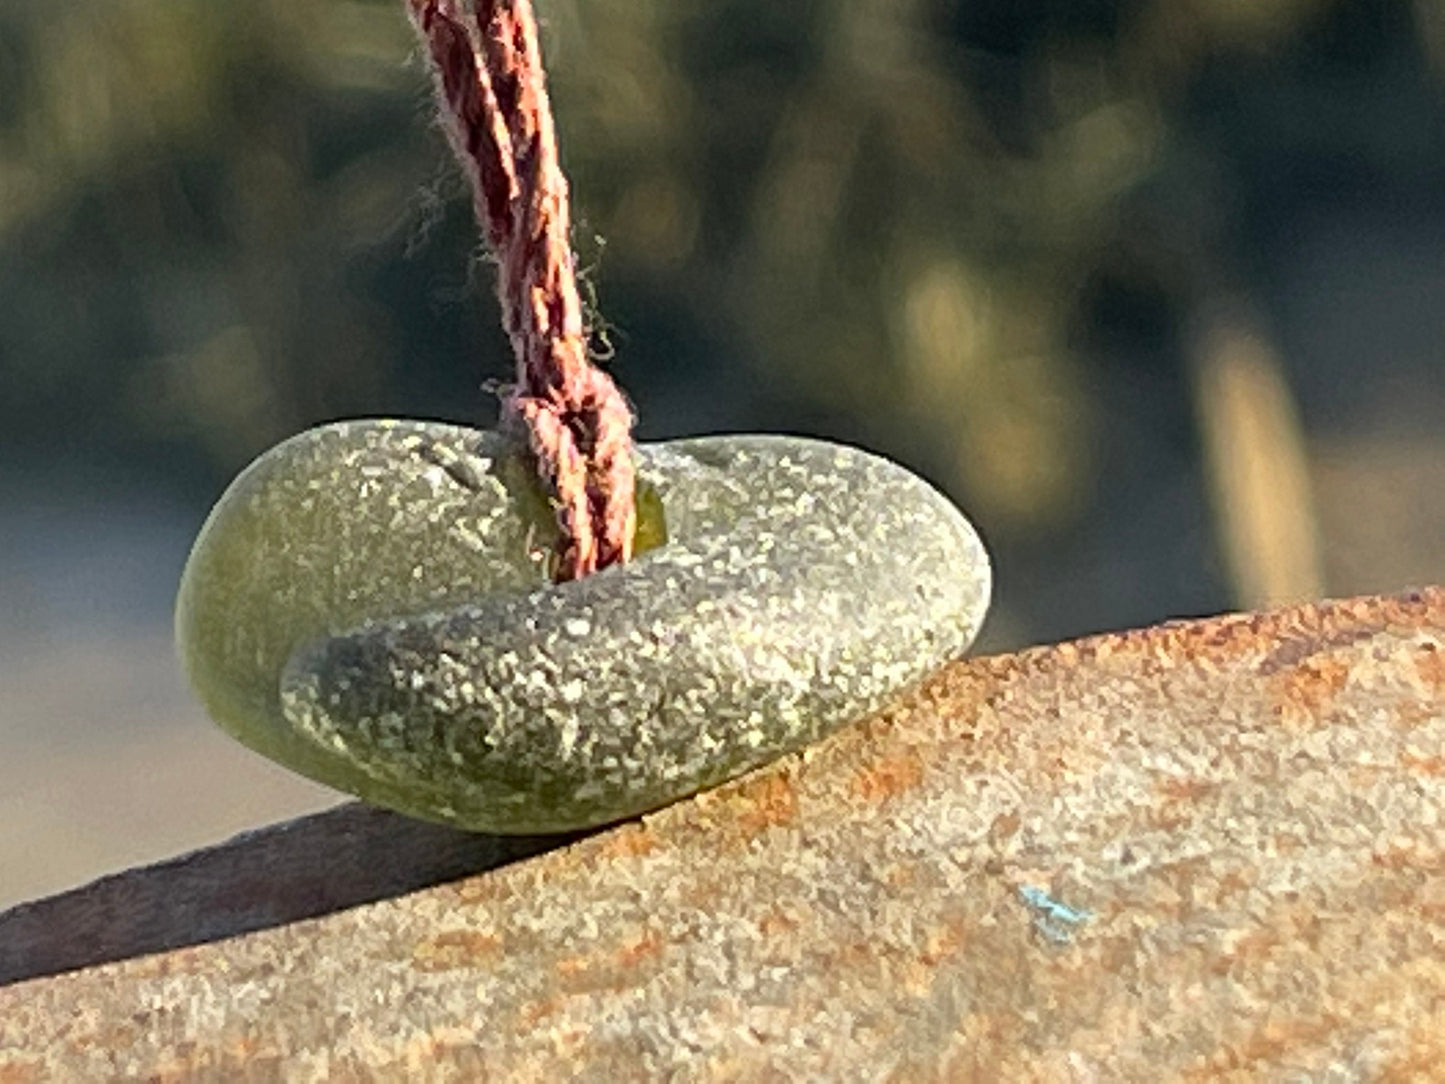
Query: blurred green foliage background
1154	288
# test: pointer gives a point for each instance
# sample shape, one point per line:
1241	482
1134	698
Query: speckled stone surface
369	605
1208	850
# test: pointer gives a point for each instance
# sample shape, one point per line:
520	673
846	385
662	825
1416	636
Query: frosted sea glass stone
369	604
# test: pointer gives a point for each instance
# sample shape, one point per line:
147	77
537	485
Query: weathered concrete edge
354	854
1206	848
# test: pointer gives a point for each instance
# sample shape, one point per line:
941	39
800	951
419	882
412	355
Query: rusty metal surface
1200	849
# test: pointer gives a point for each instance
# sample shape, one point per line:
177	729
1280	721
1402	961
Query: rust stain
942	942
239	1047
1306	631
575	965
851	955
177	962
1169	815
1226	640
453	949
1004	827
775	922
1287	843
1411	714
627	841
1408	856
607	968
1307	689
1429	660
985	1038
1246	951
183	1061
1277	1042
1315	639
478	888
1429	903
1183	788
534	1012
1235	881
770	803
888	777
1421	1058
22	1072
1177	885
642	948
1432	765
901	876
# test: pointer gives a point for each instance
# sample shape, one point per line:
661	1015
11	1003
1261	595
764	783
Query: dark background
1154	289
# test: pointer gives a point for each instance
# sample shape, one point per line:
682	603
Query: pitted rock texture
369	605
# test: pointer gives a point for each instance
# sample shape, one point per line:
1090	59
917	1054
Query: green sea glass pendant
370	604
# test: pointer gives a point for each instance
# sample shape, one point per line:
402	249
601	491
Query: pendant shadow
344	857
